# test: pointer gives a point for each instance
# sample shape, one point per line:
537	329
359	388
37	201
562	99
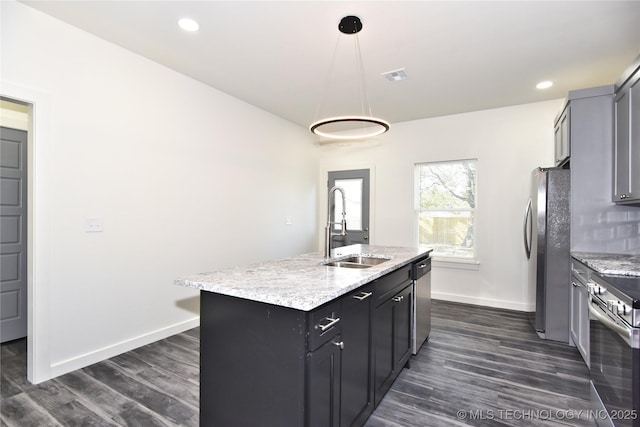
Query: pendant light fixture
351	127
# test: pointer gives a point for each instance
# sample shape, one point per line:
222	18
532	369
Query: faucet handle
344	227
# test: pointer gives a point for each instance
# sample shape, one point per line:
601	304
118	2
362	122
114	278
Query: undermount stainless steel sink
357	261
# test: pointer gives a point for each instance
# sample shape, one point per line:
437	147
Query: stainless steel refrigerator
546	243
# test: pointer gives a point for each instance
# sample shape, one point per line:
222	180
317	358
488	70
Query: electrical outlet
94	225
288	220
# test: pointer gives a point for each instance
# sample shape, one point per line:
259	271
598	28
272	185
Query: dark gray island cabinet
270	365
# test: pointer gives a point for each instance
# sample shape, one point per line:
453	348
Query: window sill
455	263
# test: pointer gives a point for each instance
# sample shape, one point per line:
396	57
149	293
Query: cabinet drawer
324	324
388	285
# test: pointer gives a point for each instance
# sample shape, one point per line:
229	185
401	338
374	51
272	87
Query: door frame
38	229
323	194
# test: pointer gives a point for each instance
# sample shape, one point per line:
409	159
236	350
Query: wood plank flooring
490	365
482	366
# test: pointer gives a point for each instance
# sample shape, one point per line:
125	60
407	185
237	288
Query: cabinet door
392	339
565	150
579	321
383	348
357	388
574	319
627	143
562	138
402	324
621	165
323	385
583	313
634	138
557	142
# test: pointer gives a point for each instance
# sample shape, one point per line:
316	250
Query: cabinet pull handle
339	344
398	299
422	265
363	295
328	325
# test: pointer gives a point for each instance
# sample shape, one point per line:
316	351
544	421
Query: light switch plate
94	225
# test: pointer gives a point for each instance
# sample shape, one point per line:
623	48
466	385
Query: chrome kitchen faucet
343	224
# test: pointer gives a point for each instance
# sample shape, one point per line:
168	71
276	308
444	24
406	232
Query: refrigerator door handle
528	229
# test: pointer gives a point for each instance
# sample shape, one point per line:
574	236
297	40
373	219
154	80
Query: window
353	195
445	207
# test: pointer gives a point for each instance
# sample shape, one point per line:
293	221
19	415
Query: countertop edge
301	282
610	264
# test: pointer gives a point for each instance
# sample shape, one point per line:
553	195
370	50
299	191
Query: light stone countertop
301	282
613	264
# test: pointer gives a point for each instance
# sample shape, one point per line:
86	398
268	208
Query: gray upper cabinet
562	136
591	133
626	177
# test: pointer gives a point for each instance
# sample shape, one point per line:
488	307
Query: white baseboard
487	302
69	365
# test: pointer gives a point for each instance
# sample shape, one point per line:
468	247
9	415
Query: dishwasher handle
420	268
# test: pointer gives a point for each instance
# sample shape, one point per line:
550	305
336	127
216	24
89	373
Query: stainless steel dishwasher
421	275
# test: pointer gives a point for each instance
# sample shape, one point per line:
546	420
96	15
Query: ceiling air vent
395	75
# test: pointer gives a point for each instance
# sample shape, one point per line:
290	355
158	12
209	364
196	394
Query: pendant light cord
328	79
361	78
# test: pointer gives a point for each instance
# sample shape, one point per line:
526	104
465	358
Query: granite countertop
612	264
301	282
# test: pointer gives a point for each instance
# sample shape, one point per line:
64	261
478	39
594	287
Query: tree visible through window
445	206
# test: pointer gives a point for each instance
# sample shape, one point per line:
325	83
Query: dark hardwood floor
482	366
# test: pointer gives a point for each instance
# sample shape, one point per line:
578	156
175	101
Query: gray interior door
13	234
356	187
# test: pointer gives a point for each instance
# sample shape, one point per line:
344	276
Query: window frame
447	260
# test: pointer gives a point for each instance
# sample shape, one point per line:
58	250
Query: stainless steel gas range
614	322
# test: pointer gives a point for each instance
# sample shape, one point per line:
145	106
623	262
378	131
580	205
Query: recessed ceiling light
544	85
188	24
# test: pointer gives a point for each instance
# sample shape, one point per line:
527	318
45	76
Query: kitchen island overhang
279	340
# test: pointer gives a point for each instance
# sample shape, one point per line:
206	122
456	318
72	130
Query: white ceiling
459	55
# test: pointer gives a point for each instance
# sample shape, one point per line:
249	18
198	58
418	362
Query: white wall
508	143
186	178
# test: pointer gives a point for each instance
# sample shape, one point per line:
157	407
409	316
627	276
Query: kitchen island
294	342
